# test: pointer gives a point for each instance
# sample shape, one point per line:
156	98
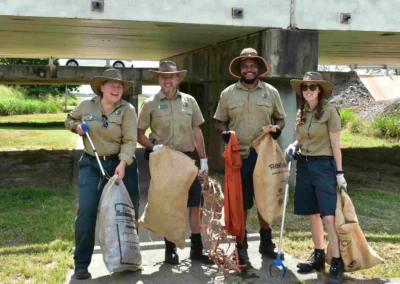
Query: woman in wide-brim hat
319	169
112	125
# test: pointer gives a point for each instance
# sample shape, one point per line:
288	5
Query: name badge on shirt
162	107
93	117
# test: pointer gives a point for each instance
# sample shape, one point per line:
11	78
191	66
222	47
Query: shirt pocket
160	114
320	126
264	110
235	108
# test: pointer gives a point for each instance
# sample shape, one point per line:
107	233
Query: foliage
36	90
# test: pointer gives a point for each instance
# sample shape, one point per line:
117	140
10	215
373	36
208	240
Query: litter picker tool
86	130
278	262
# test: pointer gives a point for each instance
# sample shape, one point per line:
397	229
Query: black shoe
171	256
81	273
197	250
336	271
243	256
315	262
267	247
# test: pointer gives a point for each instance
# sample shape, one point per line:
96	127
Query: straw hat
109	74
168	67
314	77
234	67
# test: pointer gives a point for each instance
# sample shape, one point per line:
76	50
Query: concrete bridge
203	36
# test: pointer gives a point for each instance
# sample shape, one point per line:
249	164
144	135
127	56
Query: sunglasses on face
104	121
311	87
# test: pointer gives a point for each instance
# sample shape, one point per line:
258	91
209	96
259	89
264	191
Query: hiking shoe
267	247
171	256
336	271
197	251
81	273
315	262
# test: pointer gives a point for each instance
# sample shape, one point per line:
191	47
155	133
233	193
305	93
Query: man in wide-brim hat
174	119
245	107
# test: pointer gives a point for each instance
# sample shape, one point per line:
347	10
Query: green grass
372	169
33	118
387	126
36	239
27	138
13	102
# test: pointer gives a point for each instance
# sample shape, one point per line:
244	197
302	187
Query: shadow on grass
33	125
36	169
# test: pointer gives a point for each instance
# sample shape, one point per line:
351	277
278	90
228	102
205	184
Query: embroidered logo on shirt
118	112
264	96
185	105
162	107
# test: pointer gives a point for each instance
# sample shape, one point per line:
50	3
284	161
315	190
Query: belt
314	158
105	158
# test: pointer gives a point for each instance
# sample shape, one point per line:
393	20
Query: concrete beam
63	75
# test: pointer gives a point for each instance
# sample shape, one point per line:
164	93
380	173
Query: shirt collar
240	86
160	96
121	102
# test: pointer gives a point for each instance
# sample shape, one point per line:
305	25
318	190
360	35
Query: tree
36	90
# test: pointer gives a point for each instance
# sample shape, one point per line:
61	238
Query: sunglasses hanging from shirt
104	121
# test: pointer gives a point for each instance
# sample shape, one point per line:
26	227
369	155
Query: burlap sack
172	174
269	176
354	249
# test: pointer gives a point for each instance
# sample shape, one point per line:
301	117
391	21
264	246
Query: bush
347	116
386	126
13	101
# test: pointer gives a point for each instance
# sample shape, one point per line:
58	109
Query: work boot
81	273
242	252
336	271
197	250
315	262
267	247
171	257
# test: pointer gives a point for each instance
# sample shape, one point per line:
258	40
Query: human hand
275	135
341	182
289	152
78	129
157	147
203	166
120	170
226	135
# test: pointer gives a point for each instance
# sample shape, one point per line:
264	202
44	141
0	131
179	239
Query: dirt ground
36	169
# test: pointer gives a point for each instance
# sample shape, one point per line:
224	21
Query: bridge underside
99	39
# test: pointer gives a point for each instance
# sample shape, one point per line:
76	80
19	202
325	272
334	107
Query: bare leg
317	231
329	222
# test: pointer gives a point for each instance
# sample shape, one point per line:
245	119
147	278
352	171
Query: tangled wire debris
220	244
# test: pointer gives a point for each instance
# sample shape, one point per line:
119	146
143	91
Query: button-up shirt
247	111
171	120
120	135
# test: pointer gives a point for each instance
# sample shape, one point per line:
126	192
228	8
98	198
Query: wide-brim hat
109	74
247	53
314	77
168	67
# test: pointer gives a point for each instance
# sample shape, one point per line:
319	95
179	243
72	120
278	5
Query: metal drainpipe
292	14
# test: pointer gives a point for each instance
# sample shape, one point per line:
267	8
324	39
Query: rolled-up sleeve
279	113
74	117
197	117
144	116
221	113
129	135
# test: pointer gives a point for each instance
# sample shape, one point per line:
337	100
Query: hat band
249	54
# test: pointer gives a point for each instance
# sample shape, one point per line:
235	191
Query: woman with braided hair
319	169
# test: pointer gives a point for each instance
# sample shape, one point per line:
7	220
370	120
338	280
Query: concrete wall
267	13
366	15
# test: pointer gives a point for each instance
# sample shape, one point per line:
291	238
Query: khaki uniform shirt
247	111
119	137
314	133
171	120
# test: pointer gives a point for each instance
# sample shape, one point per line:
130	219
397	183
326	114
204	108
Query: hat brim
181	74
96	83
234	66
326	86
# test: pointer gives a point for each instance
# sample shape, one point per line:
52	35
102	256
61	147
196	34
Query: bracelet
339	172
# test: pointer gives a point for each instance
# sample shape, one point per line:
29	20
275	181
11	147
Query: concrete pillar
289	53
